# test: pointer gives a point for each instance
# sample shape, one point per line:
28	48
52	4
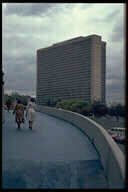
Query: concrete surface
55	154
112	158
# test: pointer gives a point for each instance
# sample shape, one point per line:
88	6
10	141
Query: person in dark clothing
8	104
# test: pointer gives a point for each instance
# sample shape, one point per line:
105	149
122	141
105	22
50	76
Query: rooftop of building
76	39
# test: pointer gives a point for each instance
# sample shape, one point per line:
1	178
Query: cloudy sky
30	26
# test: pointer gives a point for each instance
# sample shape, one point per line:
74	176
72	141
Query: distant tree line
76	105
87	109
14	96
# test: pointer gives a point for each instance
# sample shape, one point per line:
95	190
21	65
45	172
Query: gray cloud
20	74
112	15
115	66
25	82
118	32
20	64
115	92
85	5
37	9
26	9
115	79
108	18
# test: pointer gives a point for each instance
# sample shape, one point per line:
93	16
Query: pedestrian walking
19	113
8	104
14	104
30	113
28	100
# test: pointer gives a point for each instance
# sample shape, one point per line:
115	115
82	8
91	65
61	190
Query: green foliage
120	110
111	111
99	109
117	110
13	96
63	104
75	105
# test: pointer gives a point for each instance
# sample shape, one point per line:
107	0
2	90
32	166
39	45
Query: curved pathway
55	154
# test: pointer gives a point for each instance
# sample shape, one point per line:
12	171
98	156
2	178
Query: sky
27	27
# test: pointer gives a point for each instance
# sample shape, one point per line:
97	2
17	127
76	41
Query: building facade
72	69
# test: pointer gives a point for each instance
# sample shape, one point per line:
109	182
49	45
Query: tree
99	109
117	110
120	110
75	105
14	95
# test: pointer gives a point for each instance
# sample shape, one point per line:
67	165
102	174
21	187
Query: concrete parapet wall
112	158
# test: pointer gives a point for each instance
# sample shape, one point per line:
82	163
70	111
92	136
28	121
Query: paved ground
109	122
54	155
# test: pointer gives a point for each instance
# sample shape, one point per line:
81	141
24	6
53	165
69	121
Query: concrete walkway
54	154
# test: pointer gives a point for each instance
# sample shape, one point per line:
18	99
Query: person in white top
28	100
30	113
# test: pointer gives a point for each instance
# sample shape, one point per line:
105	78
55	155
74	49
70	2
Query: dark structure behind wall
72	69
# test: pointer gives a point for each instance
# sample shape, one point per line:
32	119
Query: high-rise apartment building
72	69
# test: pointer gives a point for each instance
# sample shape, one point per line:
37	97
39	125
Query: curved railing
112	158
